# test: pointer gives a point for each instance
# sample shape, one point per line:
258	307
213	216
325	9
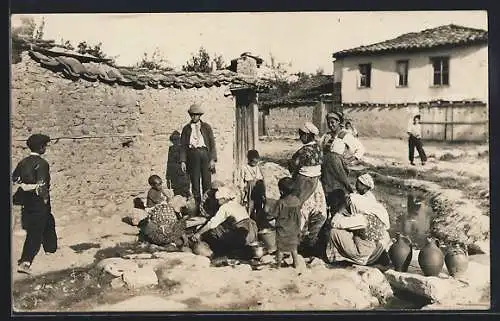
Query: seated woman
165	223
209	205
231	229
359	228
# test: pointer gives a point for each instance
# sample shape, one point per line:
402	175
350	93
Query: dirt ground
83	240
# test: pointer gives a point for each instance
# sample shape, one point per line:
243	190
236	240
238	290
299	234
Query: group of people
319	212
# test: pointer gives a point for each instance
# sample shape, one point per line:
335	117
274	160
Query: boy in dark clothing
176	178
33	178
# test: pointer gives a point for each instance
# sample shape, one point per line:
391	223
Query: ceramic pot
257	250
456	260
431	258
401	253
268	237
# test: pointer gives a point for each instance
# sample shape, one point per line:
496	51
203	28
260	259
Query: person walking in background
415	140
32	176
198	153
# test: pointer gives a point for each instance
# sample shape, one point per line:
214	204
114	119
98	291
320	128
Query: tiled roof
74	66
306	92
448	35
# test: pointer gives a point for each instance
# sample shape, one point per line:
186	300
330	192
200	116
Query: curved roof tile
73	66
425	39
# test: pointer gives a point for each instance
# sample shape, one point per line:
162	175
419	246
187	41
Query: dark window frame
402	78
440	71
365	75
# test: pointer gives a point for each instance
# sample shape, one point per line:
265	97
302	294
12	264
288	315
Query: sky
304	39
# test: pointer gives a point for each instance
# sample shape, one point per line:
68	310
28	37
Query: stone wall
285	121
98	171
382	122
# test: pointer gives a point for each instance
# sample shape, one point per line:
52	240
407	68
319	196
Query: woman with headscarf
359	229
305	167
231	228
331	169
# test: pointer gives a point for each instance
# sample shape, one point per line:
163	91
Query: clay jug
401	253
456	260
431	259
268	237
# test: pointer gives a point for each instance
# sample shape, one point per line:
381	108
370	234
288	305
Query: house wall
382	121
286	120
99	173
468	77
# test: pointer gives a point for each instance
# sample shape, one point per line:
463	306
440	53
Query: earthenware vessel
257	250
401	253
456	260
268	237
431	258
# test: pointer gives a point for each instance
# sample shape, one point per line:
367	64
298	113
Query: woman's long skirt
313	215
343	245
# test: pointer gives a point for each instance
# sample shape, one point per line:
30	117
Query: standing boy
414	140
32	175
198	154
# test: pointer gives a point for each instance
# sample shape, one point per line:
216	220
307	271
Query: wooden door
246	129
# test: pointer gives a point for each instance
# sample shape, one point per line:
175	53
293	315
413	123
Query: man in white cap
198	154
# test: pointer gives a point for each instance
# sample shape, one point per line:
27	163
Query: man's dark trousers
198	166
40	231
414	142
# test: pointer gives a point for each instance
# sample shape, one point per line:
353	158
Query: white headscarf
366	180
310	128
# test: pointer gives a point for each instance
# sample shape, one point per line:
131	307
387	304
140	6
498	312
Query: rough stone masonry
98	171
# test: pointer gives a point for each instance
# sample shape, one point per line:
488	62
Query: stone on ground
140	277
117	266
471	288
144	303
241	288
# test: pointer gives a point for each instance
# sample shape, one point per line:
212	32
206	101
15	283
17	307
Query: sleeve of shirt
42	169
219	217
354	145
321	141
259	173
16	175
246	174
211	143
184	144
340	172
150	199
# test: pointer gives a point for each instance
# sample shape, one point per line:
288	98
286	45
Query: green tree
29	28
320	71
154	61
219	62
67	44
95	50
199	62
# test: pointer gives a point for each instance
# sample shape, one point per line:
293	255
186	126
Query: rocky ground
77	279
